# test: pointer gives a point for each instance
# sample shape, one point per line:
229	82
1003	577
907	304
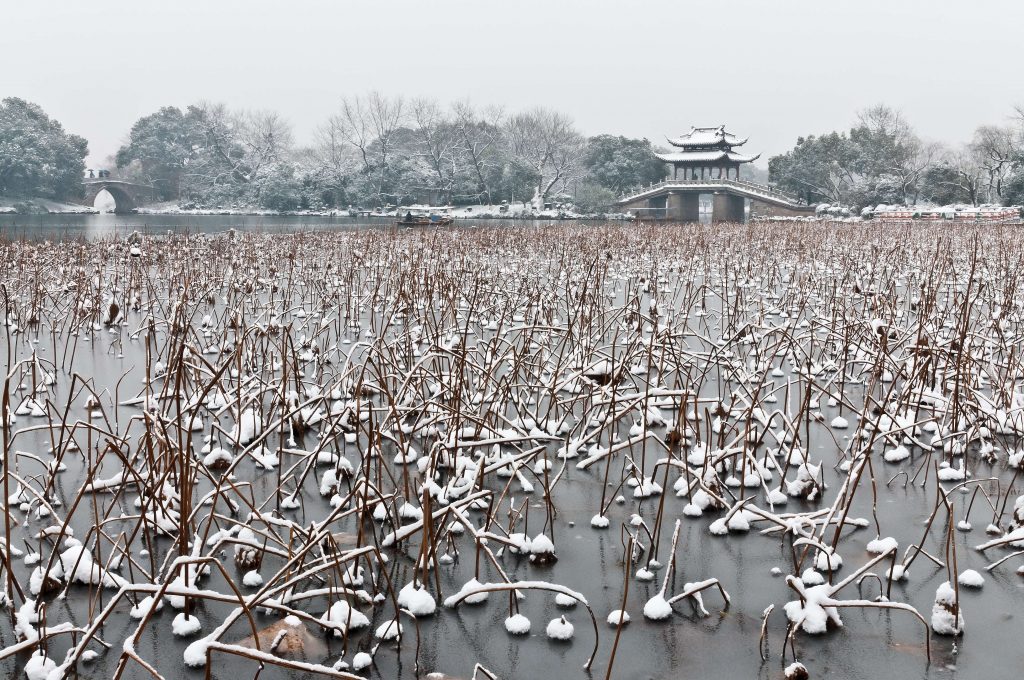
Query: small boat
431	219
434	221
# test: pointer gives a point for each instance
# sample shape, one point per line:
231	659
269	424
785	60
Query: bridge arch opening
113	199
104	202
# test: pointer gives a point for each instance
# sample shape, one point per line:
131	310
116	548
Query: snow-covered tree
548	143
37	156
371	125
159	149
619	163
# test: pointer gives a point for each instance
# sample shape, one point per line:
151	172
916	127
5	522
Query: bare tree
480	134
548	143
219	161
238	146
994	149
437	142
911	172
889	148
969	176
265	138
1018	114
333	156
370	124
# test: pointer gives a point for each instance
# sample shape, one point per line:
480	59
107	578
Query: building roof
705	157
707	137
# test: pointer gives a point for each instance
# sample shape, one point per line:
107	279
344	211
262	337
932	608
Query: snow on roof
707	136
705	157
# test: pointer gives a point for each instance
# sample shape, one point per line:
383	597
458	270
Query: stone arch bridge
678	200
127	195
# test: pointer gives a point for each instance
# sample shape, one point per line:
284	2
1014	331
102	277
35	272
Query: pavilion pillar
727	208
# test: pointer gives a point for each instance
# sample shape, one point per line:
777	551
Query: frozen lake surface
350	423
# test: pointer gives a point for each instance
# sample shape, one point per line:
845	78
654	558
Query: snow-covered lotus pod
39	666
342	618
948	473
947	617
542	550
898	572
840	423
475	598
517	624
657	608
389	630
879	545
79	567
353	576
796	671
647	488
970	579
249	426
140	610
43	583
813	614
185	625
896	455
812	577
776	497
218	459
415	598
618	617
560	629
248	550
828	560
410	512
806	484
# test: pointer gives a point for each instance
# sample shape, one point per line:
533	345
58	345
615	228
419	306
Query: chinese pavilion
705	162
706	153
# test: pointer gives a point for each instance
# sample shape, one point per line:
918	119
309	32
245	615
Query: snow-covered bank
471	212
10	205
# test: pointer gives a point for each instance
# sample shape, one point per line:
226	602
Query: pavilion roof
707	137
713	156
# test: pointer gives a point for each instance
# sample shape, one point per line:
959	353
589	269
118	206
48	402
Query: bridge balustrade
751	187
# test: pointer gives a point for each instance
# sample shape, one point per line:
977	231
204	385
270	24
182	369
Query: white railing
749	187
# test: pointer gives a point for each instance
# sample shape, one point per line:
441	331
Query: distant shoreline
37	206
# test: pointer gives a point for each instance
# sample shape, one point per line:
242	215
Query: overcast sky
770	69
